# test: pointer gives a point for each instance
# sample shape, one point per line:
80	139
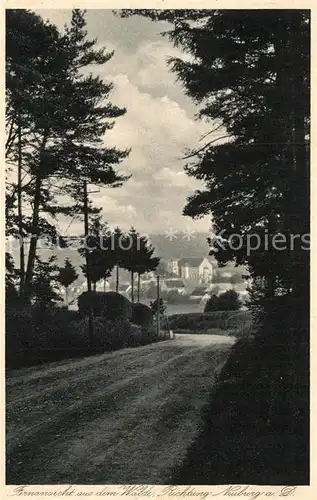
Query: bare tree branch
194	153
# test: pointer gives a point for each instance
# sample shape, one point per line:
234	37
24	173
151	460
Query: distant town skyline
158	127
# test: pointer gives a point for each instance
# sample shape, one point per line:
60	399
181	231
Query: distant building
206	270
194	269
172	267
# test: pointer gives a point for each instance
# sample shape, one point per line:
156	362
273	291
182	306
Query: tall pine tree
249	73
64	119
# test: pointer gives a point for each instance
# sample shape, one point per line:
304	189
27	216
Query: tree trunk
66	296
132	286
117	279
35	221
34	235
20	210
139	279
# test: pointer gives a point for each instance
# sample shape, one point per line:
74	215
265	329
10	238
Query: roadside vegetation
254	428
36	335
57	116
237	323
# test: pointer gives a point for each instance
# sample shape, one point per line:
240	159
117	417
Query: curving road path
125	417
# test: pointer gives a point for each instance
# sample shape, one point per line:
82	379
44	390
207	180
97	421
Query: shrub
107	334
19	332
116	306
141	335
35	334
204	322
227	301
110	305
212	303
51	327
142	315
35	327
135	335
154	306
149	334
86	299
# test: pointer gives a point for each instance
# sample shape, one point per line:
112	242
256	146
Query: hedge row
204	322
35	335
110	305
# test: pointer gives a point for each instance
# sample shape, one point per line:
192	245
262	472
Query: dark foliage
249	73
54	334
56	119
142	315
137	257
67	274
110	305
102	253
158	306
257	419
227	301
204	322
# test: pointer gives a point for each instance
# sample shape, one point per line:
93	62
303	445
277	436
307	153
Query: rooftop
174	283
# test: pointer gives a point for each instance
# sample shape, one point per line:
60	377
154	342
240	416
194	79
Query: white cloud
158	126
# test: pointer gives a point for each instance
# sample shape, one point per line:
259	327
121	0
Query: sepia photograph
157	249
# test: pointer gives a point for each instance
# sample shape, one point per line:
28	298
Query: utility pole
91	316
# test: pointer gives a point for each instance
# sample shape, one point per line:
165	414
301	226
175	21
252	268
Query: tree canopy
248	72
56	120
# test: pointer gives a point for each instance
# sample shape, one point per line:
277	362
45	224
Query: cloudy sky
158	126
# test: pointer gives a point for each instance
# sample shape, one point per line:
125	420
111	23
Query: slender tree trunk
20	210
132	286
94	286
139	279
86	226
66	297
35	221
12	134
117	279
34	235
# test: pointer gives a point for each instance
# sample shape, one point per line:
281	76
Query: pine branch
195	153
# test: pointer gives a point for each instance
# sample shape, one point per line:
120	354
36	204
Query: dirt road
119	418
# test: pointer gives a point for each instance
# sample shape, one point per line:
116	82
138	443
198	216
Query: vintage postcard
158	274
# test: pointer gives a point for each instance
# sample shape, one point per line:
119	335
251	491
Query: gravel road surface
125	417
